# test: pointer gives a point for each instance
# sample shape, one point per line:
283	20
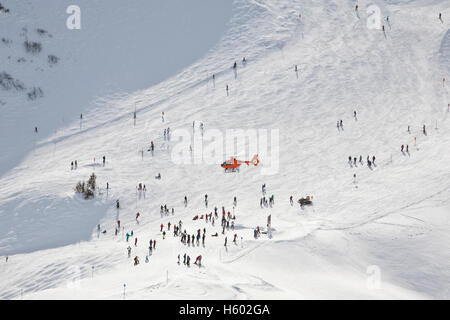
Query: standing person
225	242
291	200
162	226
227	89
373	159
129	251
135	241
154	244
104	160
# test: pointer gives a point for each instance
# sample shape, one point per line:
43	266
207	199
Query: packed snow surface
384	233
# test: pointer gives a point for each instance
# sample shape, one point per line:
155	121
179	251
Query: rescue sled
305	201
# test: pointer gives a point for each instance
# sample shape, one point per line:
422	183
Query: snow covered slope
391	222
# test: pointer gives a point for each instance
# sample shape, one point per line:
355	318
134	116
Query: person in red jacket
198	261
135	242
162	226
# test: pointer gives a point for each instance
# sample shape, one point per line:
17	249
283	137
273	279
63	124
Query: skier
154	244
137	216
76	164
291	201
35	129
136	260
198	261
118	224
424	130
128	236
373	159
164	235
129	251
117	204
135	241
227	89
185	201
402	148
104	160
178	259
234	65
184	258
235	201
225	242
407	148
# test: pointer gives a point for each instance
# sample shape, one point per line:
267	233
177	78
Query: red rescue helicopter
233	164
